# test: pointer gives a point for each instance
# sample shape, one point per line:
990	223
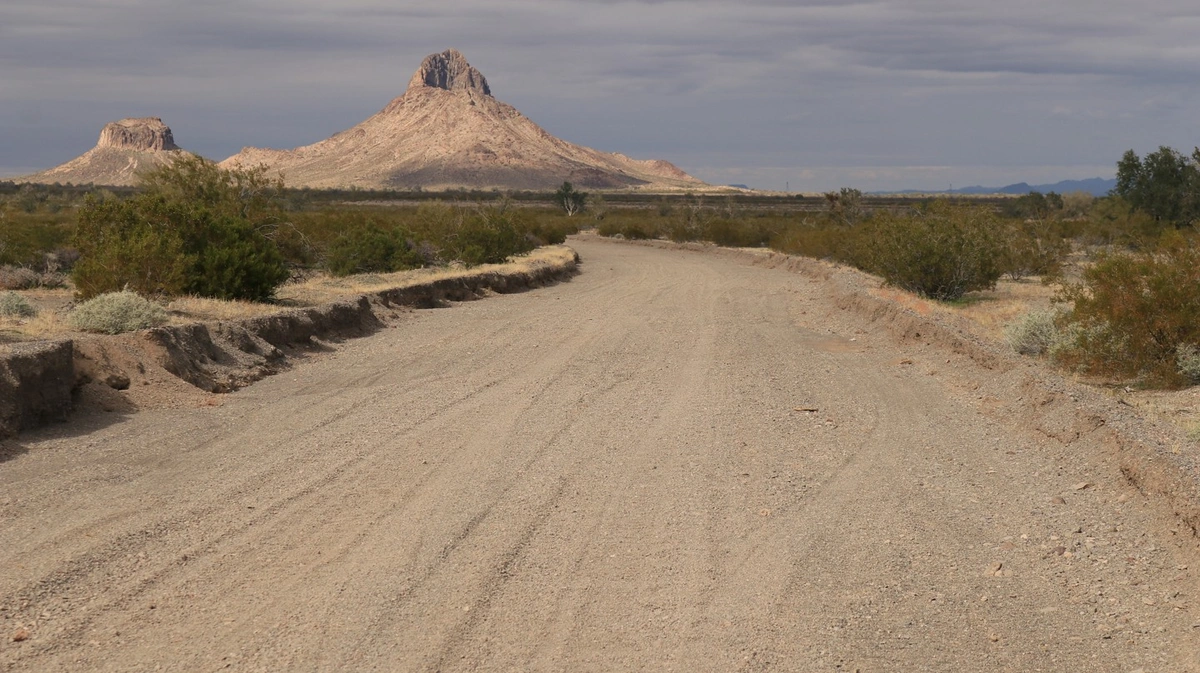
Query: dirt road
676	461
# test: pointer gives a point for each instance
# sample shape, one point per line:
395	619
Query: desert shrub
372	249
1033	248
739	232
136	244
1187	358
942	251
18	278
819	238
1035	333
1113	221
1131	312
232	260
547	231
205	238
25	238
632	224
490	235
15	306
116	312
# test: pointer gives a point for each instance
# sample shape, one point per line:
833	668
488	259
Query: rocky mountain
448	131
125	148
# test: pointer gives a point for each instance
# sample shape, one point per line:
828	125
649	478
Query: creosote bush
1133	312
196	229
117	312
942	251
13	305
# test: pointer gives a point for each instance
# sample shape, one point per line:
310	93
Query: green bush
15	306
1131	312
488	236
941	252
117	312
205	238
1035	333
136	244
372	249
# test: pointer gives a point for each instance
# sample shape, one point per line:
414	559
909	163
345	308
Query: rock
21	635
145	134
449	70
126	148
1058	500
117	381
1081	485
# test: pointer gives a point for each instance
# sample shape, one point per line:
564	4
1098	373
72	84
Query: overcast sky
806	94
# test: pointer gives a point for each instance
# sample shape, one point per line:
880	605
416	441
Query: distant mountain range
1093	186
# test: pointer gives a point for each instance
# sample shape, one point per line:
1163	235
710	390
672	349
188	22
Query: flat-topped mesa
449	70
145	134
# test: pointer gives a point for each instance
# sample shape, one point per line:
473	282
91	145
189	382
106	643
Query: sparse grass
192	308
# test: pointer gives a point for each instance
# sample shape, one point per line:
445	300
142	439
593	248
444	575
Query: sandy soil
676	461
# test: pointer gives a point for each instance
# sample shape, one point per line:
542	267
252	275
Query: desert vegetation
1127	313
195	231
1124	309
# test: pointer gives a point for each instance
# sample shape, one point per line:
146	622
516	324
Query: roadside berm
178	365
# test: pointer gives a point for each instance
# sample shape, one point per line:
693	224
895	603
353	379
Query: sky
775	94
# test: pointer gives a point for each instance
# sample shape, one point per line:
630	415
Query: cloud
896	83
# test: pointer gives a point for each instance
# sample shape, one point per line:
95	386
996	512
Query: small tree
570	200
1165	185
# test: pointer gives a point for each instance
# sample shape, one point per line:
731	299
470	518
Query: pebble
21	634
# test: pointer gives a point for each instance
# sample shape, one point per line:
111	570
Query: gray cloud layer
879	95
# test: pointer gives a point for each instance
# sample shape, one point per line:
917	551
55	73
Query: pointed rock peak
449	70
144	134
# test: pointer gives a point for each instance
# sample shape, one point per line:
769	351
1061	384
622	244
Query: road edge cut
41	381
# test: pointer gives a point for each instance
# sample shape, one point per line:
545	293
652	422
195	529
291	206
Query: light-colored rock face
145	134
449	70
125	149
447	131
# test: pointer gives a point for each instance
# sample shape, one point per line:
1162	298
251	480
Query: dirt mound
125	148
448	131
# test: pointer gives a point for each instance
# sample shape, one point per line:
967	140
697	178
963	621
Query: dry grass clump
191	308
117	312
323	288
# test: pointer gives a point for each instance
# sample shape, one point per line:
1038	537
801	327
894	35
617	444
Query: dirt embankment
42	382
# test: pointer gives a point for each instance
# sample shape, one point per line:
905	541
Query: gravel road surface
676	461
